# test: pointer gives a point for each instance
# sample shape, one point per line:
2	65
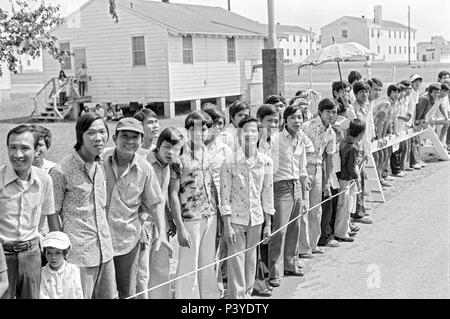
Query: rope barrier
245	250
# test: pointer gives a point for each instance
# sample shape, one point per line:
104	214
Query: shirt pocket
132	194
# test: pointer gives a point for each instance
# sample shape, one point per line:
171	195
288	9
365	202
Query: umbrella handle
339	68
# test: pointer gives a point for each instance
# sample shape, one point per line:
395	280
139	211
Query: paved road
404	254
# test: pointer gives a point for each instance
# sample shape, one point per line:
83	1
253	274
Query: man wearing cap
416	82
132	189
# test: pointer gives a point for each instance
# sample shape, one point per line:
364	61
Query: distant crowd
98	223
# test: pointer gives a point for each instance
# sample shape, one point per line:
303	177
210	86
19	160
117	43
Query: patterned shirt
23	203
349	160
323	138
3	266
81	202
137	187
247	189
195	183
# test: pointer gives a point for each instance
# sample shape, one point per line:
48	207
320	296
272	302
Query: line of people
103	217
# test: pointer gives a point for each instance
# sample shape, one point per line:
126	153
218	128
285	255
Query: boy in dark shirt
349	173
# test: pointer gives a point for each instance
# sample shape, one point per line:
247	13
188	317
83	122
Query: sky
311	13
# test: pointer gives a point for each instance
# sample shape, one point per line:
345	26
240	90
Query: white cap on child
56	239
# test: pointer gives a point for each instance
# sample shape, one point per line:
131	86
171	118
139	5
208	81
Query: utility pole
273	59
310	52
229	5
409	36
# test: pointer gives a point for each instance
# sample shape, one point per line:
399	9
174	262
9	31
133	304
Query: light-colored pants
99	282
242	268
143	270
310	230
346	206
202	284
283	245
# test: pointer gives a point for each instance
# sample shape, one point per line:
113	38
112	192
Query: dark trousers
395	162
81	87
328	217
126	267
360	208
24	272
415	150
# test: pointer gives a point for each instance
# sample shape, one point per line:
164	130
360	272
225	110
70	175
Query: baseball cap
56	239
130	124
415	77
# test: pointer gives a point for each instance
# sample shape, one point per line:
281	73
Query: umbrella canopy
337	52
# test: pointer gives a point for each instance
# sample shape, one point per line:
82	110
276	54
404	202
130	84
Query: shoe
409	169
363	220
306	256
274	282
333	243
352	233
389	178
400	174
422	164
416	166
353	227
346	239
300	264
297	273
262	293
319	251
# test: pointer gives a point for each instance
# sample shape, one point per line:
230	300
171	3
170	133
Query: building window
378	33
395	50
294	38
231	50
287	52
395	34
307	52
301	52
414	35
373	33
307	39
295	52
389	33
390	51
301	38
138	50
344	33
404	49
67	62
28	62
188	52
432	55
414	50
400	50
379	50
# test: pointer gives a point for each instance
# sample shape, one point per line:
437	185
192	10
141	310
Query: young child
349	173
245	183
59	279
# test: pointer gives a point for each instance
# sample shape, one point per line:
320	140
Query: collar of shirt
188	150
81	164
241	158
363	108
11	176
59	271
113	162
153	159
318	123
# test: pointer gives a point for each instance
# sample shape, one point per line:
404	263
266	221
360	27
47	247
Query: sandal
319	251
307	256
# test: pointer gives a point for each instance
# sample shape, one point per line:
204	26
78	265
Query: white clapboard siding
109	54
211	75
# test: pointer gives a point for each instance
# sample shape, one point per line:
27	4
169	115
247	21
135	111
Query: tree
27	30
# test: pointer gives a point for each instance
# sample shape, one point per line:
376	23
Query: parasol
336	52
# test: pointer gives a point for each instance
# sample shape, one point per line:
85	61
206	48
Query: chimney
377	14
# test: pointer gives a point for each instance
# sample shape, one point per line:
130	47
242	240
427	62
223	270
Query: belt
19	246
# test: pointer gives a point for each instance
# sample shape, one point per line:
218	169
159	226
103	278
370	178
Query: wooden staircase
47	106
